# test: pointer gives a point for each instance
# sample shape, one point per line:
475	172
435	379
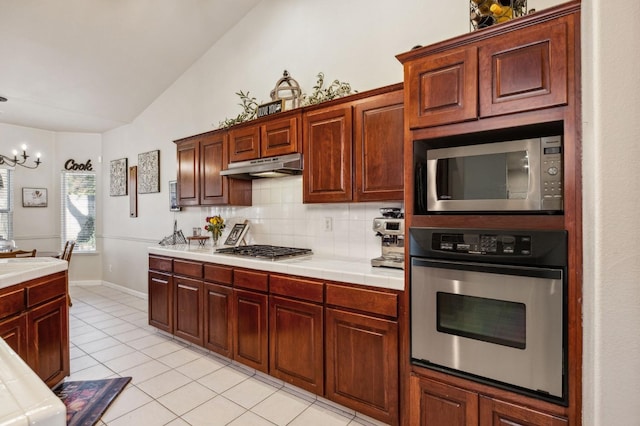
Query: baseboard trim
123	289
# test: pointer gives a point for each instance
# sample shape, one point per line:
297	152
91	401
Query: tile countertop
24	398
18	270
342	270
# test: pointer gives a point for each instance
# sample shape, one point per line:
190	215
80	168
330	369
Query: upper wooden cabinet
354	150
266	139
522	69
200	159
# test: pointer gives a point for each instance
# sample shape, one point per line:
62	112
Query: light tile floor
175	383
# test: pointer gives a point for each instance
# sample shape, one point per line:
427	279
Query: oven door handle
490	268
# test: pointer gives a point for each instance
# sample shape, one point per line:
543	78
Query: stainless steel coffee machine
390	227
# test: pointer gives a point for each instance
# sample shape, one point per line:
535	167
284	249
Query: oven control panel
476	243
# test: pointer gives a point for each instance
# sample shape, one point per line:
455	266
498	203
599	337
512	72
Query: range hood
282	165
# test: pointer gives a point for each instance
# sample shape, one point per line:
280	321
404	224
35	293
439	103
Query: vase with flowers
215	225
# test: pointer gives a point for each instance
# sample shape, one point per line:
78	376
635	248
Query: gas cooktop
265	252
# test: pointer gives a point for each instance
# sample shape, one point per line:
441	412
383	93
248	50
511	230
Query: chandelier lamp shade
20	160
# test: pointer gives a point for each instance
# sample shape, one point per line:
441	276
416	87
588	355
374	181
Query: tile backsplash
279	217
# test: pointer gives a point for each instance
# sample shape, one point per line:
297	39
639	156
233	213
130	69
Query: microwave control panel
551	176
519	245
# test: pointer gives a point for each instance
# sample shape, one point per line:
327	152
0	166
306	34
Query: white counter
24	398
18	270
343	270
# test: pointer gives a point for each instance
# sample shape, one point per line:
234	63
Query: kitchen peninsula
328	326
34	349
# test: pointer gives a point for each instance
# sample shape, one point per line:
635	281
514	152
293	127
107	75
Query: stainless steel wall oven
490	305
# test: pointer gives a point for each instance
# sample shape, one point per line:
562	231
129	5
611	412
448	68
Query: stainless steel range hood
283	165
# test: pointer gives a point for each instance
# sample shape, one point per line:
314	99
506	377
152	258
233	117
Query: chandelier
20	160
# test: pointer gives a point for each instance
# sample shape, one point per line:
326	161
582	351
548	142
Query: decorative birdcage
288	90
485	13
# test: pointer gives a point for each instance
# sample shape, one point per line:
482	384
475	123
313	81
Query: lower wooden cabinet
48	342
218	331
433	403
34	321
250	330
362	363
188	309
161	301
14	332
296	343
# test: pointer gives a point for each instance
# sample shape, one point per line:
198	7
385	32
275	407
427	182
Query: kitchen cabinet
521	70
354	149
250	322
362	350
296	331
48	340
267	138
379	147
218	309
34	321
438	404
188	301
199	162
160	290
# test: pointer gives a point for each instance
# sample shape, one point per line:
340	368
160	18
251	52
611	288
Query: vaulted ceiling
93	65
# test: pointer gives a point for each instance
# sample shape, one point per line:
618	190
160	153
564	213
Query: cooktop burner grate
265	252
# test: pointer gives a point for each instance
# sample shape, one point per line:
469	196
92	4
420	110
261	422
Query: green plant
249	111
336	89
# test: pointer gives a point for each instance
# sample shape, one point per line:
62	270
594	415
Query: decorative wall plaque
118	177
149	172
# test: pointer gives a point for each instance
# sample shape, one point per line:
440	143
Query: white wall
39	227
611	83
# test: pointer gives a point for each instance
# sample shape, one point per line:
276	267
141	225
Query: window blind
78	216
6	204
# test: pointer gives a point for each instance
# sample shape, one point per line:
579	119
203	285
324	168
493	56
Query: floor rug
86	401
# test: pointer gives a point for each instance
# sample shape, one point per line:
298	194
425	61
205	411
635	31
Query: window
78	193
6	204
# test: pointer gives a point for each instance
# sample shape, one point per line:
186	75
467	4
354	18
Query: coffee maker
390	227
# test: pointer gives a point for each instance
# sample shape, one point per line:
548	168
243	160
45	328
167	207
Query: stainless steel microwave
513	176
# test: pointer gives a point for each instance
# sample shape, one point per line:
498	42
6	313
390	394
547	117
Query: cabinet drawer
362	299
250	279
47	288
218	273
187	268
11	303
159	263
299	288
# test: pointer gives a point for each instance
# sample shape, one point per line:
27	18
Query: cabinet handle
158	280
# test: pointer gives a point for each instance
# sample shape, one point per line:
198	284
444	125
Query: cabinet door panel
436	404
244	143
279	137
379	148
213	159
188	315
218	318
296	343
250	337
499	413
442	88
362	363
48	343
161	301
327	174
14	332
524	72
188	172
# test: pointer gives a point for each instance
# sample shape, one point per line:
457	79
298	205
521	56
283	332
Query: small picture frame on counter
236	236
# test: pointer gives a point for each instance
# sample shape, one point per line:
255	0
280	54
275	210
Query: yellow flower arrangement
215	225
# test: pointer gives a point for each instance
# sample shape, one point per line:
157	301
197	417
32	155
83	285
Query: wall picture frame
118	177
34	197
236	236
149	172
